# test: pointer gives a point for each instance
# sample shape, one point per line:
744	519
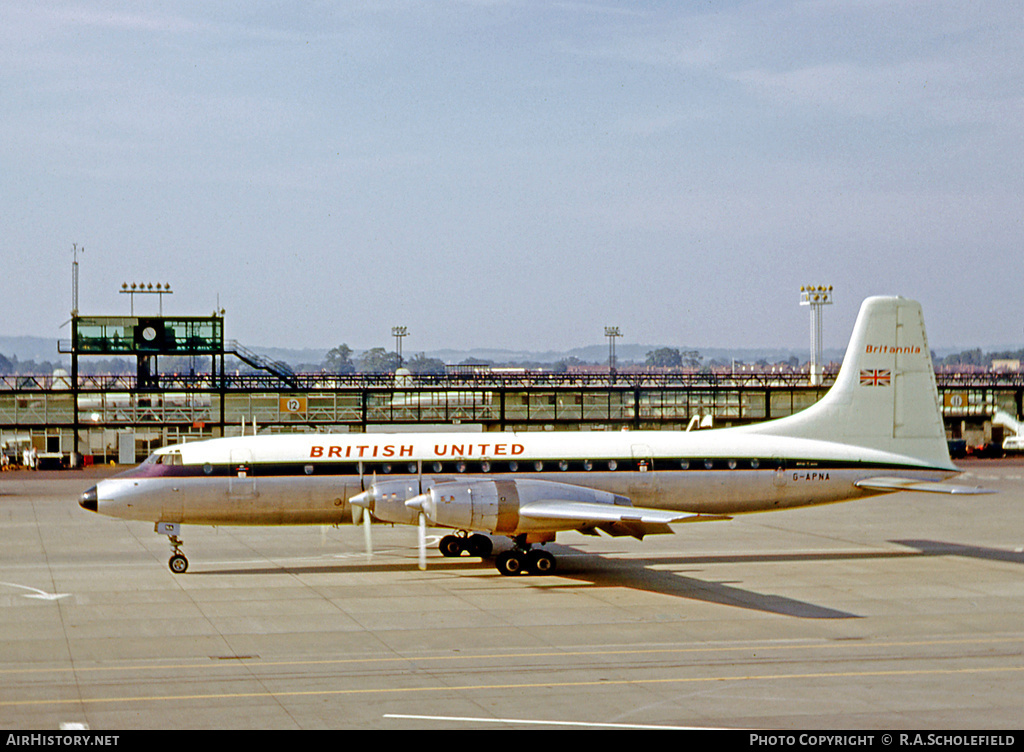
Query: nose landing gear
177	563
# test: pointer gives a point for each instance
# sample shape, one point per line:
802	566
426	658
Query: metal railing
417	383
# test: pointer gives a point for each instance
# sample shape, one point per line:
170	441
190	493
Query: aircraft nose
89	500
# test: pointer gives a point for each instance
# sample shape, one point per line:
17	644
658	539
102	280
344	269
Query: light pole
398	332
74	278
816	296
611	332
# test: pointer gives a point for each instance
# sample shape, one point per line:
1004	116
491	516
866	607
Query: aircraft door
643	459
171	506
241	482
644	479
779	476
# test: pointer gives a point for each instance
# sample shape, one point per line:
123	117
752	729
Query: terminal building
75	418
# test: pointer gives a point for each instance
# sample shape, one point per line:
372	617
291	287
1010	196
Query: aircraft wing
614	519
908	484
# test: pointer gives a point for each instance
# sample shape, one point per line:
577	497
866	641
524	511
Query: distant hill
624	353
32	348
42	349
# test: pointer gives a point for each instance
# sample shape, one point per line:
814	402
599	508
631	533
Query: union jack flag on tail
875	377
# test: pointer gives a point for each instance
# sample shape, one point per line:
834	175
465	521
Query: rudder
885	394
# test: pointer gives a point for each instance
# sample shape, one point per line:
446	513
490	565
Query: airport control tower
146	338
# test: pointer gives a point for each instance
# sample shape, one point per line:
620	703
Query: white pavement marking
521	721
36	592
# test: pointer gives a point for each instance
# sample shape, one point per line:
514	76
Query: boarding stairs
278	368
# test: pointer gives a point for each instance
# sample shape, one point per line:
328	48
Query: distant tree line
671	357
343	360
12	366
378	360
975	357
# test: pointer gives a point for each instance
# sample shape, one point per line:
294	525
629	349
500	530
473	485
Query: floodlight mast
74	278
146	289
398	332
611	332
816	296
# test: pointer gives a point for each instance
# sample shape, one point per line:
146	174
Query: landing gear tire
451	545
474	545
479	545
511	562
540	562
178	564
534	561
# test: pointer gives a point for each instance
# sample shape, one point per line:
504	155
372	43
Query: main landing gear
522	559
177	563
474	545
525	560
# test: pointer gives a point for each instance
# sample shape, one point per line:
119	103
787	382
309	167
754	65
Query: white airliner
879	429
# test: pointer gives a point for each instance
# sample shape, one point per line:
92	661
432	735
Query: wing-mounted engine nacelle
386	500
493	506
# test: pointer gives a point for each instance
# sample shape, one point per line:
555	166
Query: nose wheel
178	563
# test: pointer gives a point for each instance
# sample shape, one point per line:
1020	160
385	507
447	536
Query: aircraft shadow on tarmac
942	548
597	570
620	574
639	574
603	571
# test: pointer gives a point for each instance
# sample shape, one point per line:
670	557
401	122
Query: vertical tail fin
885	395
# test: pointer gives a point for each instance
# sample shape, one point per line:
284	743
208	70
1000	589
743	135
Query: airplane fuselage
310	478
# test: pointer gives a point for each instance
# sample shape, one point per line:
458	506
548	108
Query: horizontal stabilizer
909	484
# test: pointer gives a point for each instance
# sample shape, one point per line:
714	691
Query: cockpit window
167	458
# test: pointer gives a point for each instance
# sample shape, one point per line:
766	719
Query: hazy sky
515	173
